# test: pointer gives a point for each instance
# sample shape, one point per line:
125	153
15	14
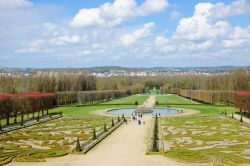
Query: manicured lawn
85	110
173	99
130	100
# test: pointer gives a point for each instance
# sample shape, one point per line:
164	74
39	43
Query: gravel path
124	147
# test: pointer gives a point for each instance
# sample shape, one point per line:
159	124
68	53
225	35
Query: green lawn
129	100
173	99
85	110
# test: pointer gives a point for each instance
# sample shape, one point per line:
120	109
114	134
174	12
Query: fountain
143	110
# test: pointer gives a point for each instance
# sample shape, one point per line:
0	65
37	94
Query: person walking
139	122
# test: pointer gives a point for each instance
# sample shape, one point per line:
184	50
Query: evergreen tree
94	137
226	112
241	118
38	116
232	115
118	118
112	122
1	125
22	120
78	146
105	128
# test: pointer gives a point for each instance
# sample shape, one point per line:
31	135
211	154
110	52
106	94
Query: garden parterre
206	138
50	139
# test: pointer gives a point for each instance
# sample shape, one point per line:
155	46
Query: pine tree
78	146
105	128
94	137
38	116
22	121
1	125
241	118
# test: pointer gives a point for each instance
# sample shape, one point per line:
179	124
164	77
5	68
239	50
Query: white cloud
240	37
206	23
175	15
152	6
65	40
14	4
113	14
50	26
132	38
238	7
44	45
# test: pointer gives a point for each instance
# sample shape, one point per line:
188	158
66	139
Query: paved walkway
124	147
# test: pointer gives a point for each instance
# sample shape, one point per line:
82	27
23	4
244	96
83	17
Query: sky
128	33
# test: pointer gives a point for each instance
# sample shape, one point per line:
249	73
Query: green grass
85	110
130	100
173	99
155	91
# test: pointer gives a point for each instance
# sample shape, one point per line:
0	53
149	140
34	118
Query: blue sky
131	33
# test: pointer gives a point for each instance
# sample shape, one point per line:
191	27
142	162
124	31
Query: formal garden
58	137
204	137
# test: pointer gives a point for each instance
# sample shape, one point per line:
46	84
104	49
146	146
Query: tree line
238	79
15	105
82	97
240	99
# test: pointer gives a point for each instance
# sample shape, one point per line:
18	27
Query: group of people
138	118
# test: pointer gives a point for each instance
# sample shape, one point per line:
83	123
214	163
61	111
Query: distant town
122	71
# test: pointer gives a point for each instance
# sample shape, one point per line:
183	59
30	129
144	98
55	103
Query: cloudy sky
132	33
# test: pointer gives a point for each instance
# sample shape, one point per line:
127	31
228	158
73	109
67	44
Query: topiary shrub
94	137
118	118
112	122
136	103
22	120
1	125
157	103
232	115
105	128
241	118
38	117
78	146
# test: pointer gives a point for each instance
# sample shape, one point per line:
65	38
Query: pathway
124	147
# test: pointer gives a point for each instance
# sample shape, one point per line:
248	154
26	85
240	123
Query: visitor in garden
139	122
